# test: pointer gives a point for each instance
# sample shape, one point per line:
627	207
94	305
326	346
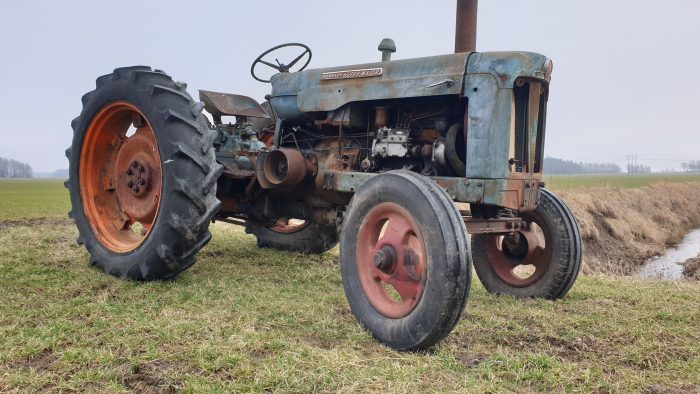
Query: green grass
559	182
33	198
247	319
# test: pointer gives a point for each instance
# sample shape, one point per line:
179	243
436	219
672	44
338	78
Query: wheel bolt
142	182
129	172
134	164
129	184
141	169
136	189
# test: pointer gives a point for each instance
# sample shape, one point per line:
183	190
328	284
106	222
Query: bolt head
141	169
136	189
135	164
142	182
130	184
379	259
129	172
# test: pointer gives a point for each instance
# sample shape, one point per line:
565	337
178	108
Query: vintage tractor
399	161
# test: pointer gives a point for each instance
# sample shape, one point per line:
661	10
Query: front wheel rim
391	260
120	176
526	260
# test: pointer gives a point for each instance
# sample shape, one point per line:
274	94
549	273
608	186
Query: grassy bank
623	227
246	319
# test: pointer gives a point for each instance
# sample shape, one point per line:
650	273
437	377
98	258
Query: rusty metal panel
520	194
231	104
459	189
489	124
509	66
420	77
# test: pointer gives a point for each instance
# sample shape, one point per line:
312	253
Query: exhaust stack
465	27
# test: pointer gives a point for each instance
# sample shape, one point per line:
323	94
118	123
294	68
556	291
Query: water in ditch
669	265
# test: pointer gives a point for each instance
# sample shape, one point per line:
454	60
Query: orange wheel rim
391	260
288	226
120	176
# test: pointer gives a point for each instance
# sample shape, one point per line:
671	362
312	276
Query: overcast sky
624	71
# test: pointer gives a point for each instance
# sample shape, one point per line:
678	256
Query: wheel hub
138	178
137	189
385	259
391	260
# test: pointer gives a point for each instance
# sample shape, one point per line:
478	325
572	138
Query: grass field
246	319
559	182
33	198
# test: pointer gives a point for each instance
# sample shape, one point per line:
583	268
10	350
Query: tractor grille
530	100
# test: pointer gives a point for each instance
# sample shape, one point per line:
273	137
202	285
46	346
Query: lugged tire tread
184	231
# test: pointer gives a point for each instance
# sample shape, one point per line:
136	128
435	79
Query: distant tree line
553	165
691	166
14	169
638	169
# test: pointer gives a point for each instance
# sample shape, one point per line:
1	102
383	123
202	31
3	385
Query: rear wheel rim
521	262
288	226
120	176
391	260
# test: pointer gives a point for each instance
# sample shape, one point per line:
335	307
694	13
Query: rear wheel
297	236
142	175
540	261
405	260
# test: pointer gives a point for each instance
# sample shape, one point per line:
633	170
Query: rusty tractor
417	167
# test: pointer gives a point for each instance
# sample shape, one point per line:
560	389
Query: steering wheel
281	67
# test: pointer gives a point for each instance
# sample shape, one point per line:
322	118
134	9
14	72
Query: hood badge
351	74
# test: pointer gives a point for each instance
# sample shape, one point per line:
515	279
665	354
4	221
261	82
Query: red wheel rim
288	226
391	260
521	262
120	176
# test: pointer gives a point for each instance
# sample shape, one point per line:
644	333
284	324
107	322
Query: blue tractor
418	168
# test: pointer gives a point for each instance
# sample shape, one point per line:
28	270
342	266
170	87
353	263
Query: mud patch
150	378
471	360
41	362
259	355
319	342
34	222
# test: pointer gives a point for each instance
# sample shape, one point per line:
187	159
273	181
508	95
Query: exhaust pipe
465	27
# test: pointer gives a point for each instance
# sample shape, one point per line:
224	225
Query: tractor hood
327	89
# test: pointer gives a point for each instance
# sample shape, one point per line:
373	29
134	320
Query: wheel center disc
391	260
137	184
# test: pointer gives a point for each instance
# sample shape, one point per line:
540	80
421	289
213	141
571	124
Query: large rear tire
142	175
543	261
405	260
301	236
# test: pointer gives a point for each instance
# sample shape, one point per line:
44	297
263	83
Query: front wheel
405	260
541	261
142	175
